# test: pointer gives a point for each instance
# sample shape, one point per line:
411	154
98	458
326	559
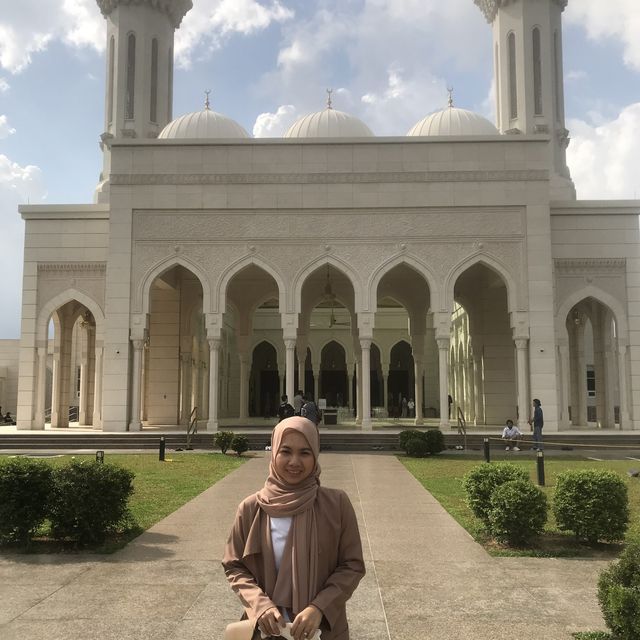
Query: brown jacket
252	573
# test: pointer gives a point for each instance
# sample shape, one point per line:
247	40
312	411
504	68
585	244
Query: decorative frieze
593	266
490	8
72	266
178	179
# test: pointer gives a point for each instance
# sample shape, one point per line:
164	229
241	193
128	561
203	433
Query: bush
517	512
25	490
417	447
435	440
619	594
90	501
480	482
407	435
223	440
240	444
593	504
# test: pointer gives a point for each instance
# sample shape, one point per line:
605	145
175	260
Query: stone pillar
84	375
290	367
625	418
195	371
205	382
418	366
350	366
384	367
316	380
443	368
55	389
471	389
185	387
41	388
523	387
581	378
214	381
97	389
365	346
565	390
599	364
136	380
358	393
244	386
479	389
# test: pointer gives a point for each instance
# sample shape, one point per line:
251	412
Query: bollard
487	452
162	447
540	465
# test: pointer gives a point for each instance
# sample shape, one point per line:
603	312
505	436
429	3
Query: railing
192	427
74	413
462	428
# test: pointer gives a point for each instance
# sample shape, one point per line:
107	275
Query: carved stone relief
56	277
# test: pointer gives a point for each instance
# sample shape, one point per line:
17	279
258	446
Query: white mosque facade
215	271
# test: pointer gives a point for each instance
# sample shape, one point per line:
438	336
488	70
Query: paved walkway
427	579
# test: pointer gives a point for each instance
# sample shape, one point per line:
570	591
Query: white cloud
5	129
18	184
27	27
576	75
619	20
274	125
4	85
604	158
210	21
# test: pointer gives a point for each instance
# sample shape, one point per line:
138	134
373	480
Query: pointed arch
410	261
339	342
489	261
339	264
143	289
234	268
394	345
69	295
258	340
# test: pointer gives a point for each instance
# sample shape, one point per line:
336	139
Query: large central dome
205	124
329	123
454	122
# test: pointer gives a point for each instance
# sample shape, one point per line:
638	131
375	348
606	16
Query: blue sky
269	61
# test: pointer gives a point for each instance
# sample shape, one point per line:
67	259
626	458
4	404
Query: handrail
462	427
192	426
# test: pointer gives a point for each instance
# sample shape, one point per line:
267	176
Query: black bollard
162	447
540	465
487	451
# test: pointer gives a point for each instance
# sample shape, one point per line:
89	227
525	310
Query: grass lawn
442	476
159	487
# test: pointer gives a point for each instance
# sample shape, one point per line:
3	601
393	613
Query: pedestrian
537	422
404	407
511	434
285	410
294	555
310	410
298	401
411	405
450	400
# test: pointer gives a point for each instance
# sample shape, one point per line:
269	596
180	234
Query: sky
268	62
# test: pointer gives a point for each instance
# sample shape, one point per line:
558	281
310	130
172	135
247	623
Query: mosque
451	265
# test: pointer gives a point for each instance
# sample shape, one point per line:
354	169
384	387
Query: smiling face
294	461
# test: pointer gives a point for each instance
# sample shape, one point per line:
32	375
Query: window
131	77
153	107
591	382
112	53
537	73
556	78
513	78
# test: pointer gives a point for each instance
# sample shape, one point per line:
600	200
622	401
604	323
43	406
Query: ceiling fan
330	297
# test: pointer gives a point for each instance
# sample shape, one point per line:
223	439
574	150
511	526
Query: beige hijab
296	580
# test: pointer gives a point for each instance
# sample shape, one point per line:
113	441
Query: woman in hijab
294	552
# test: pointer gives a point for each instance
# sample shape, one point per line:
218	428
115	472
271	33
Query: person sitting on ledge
511	433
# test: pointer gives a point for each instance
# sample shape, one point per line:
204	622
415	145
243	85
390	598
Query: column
214	377
418	366
471	388
136	379
97	389
290	367
523	387
185	387
316	381
55	390
350	366
205	382
384	366
565	391
443	369
581	378
365	346
84	375
625	418
479	392
41	388
358	393
244	386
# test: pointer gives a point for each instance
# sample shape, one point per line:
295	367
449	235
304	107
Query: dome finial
329	92
207	106
450	90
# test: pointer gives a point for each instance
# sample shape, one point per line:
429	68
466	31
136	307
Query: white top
279	532
454	122
511	432
203	124
329	123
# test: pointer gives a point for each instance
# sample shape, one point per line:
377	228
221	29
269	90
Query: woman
294	552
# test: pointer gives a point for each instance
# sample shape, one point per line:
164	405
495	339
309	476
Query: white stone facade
444	265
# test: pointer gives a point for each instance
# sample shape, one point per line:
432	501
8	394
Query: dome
203	124
329	123
454	122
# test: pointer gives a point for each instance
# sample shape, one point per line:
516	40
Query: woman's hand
306	623
271	622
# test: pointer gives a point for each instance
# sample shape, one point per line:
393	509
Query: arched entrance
265	388
401	382
333	374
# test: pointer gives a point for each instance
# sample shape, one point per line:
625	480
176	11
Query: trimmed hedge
90	500
417	447
408	434
480	482
26	487
239	444
223	440
435	440
593	504
619	594
517	512
419	444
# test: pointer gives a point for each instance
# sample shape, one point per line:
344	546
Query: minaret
527	49
139	78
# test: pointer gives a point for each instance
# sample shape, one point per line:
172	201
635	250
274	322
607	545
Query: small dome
329	123
203	124
454	122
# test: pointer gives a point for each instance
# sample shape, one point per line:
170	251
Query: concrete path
427	579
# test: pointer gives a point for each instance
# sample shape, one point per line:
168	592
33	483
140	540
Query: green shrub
517	512
407	435
619	594
25	490
90	501
593	504
223	440
240	444
480	482
435	440
417	447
